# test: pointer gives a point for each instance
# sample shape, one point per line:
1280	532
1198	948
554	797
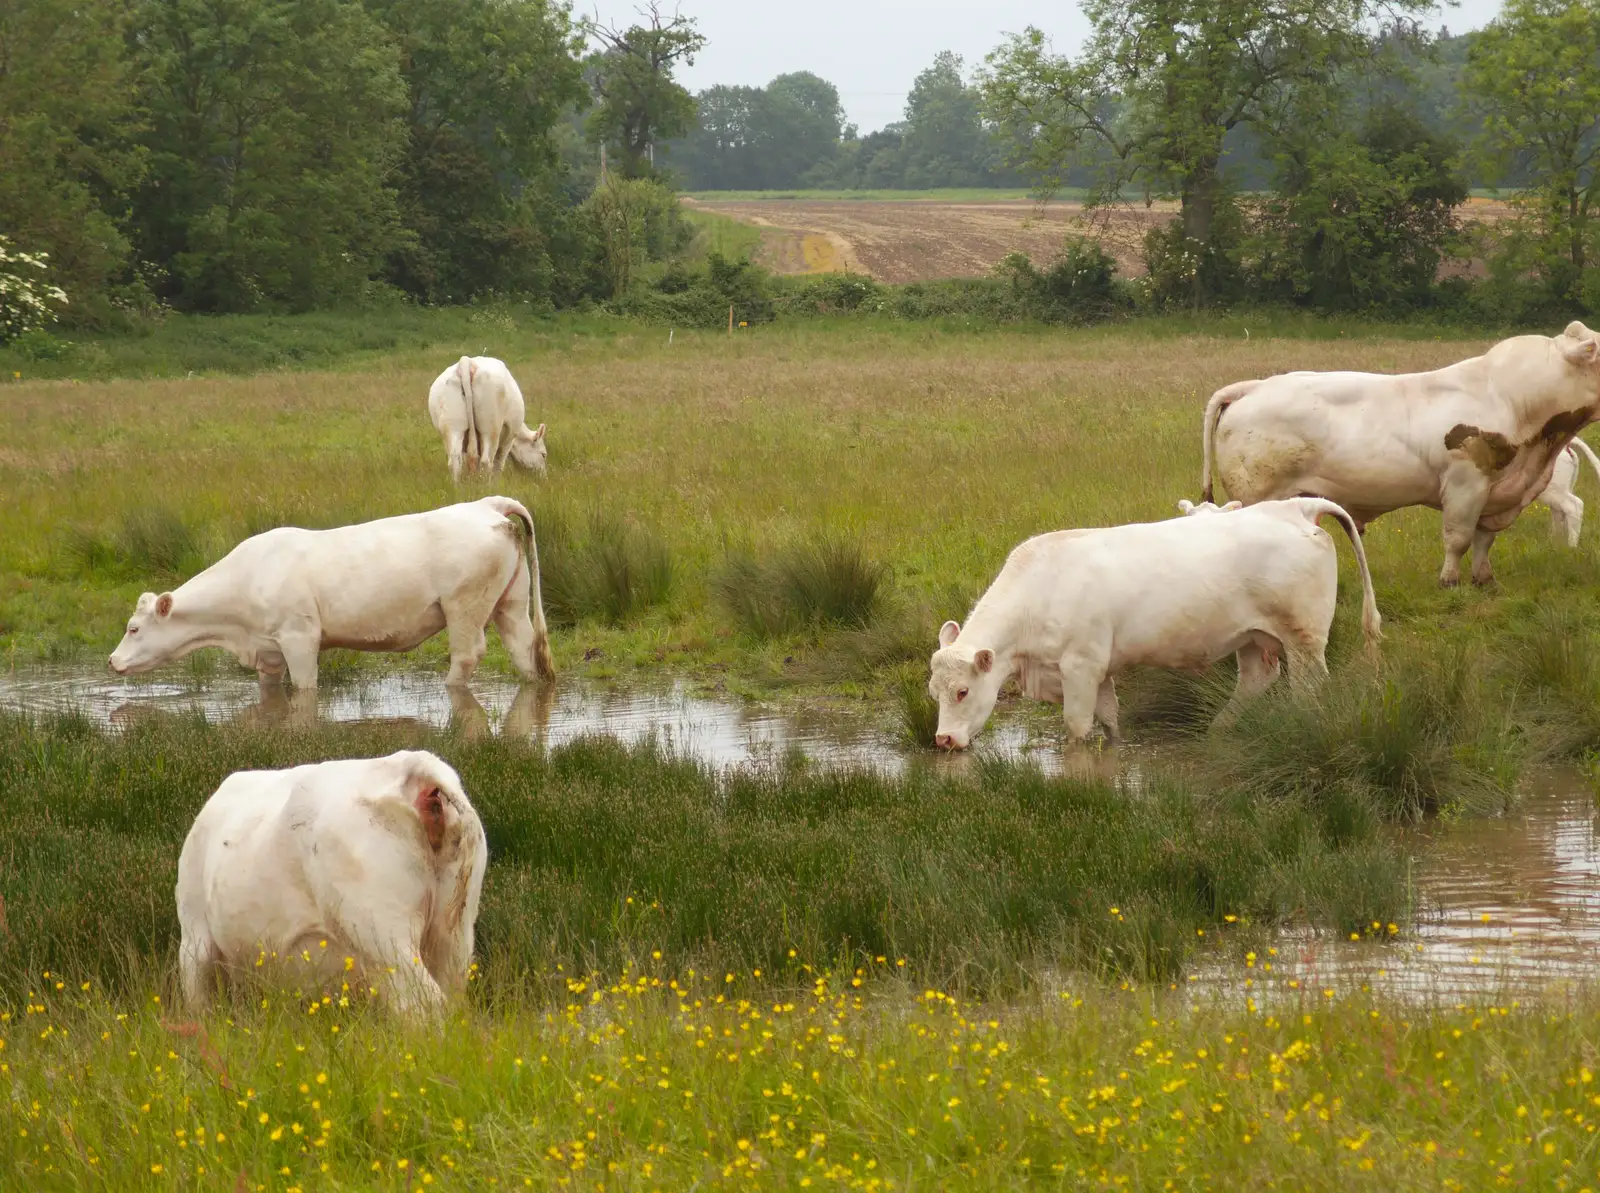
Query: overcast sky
871	50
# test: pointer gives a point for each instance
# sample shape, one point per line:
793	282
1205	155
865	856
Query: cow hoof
1449	581
1483	581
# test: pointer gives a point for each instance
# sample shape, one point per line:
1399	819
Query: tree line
240	155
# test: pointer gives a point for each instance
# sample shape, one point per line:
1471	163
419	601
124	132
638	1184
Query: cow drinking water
1071	608
280	598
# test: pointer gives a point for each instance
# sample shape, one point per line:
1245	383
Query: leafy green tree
68	140
275	133
795	122
638	102
946	143
481	185
1158	88
1533	76
719	153
1361	221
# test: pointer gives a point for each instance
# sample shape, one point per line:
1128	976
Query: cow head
528	449
966	682
1188	508
151	638
1581	347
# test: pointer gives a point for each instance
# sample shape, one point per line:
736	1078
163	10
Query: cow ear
539	434
984	660
1582	353
146	600
1577	331
1185	506
164	604
948	632
1233	505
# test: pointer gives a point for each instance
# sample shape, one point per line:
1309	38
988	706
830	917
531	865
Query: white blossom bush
28	302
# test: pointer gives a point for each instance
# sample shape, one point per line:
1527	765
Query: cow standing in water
361	871
1072	608
1476	440
280	598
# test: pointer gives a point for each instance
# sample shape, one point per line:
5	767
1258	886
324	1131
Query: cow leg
391	953
197	963
1105	708
1464	492
1308	662
300	652
1258	671
1081	680
516	630
454	451
467	643
1482	570
1574	520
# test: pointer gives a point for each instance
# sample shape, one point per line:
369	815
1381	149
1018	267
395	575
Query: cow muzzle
947	741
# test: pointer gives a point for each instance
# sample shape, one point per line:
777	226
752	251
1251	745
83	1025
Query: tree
795	123
1160	86
488	83
719	152
638	101
945	141
69	152
275	131
1361	221
1533	76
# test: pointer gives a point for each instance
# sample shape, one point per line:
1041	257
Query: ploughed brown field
920	240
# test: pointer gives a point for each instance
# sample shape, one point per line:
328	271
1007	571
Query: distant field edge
939	195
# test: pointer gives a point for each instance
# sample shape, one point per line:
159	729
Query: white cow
477	407
280	598
378	860
1476	440
1070	609
1566	507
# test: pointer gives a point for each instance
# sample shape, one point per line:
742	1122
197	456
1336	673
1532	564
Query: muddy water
723	732
1506	907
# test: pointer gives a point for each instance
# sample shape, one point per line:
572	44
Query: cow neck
998	625
220	624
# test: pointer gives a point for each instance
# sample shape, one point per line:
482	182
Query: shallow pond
1507	907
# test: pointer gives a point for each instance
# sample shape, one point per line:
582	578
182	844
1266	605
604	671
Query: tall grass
602	854
1424	733
151	542
604	567
825	582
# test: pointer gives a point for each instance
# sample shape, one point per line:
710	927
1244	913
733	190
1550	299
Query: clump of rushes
606	567
823	582
600	853
918	711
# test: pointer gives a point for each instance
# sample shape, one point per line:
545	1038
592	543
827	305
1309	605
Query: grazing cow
378	860
1476	440
477	407
280	598
1566	507
1070	609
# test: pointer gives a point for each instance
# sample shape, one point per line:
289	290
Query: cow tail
464	376
1587	453
1371	622
518	513
1218	403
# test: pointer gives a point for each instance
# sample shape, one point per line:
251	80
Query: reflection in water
1507	906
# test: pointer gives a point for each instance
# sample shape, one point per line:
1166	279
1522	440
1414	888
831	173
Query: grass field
668	960
949	194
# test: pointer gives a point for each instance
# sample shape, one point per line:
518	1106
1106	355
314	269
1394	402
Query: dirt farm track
922	240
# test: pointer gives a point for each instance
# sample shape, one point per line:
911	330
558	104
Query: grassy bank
642	1080
974	876
951	194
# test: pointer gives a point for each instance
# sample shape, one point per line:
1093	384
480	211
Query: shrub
28	302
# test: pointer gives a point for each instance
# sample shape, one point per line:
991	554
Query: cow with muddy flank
1477	440
1072	608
